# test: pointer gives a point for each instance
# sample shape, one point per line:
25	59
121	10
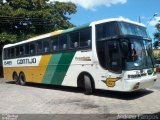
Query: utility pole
155	14
139	19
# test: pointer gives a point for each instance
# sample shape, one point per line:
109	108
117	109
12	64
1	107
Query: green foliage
28	18
7	37
156	53
156	44
157	35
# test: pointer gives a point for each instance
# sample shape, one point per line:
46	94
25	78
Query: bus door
113	56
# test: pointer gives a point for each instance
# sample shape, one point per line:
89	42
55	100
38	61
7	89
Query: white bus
110	54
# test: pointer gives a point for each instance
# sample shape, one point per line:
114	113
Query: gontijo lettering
26	61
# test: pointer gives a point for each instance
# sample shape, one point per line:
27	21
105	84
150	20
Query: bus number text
7	62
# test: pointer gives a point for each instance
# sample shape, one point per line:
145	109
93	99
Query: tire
22	79
16	78
87	85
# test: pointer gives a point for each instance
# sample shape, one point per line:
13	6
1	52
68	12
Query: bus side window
39	47
6	53
12	52
21	50
74	40
26	48
63	44
85	38
106	30
54	43
46	46
32	48
17	51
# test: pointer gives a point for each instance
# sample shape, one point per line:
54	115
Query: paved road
157	84
47	99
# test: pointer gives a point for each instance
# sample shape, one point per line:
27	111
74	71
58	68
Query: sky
92	10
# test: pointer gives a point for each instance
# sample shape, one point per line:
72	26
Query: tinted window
9	53
32	48
26	47
17	51
85	38
113	56
74	40
101	46
54	44
6	53
106	30
12	52
131	29
46	46
39	47
63	42
21	50
100	32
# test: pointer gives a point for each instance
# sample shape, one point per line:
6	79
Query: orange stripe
32	74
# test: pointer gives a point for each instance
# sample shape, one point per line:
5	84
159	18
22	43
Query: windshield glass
131	29
135	54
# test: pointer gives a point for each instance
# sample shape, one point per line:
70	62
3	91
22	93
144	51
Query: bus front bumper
140	83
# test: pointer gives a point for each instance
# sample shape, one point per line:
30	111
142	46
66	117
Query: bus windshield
131	29
125	49
135	54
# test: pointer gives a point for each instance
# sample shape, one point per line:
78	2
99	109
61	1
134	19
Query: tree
156	44
157	35
22	19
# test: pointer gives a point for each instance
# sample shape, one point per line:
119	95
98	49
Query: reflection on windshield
135	55
131	29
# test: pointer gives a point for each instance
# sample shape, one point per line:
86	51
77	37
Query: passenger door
113	56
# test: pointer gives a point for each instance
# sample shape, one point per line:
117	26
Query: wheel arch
14	73
21	72
80	79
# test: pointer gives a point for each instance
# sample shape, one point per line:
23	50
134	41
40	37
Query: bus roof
121	19
74	29
49	35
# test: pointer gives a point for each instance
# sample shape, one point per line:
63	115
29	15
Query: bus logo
26	61
110	82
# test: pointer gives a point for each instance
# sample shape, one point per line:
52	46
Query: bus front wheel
87	85
22	79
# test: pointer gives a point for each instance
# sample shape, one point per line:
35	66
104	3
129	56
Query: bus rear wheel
16	78
88	85
22	79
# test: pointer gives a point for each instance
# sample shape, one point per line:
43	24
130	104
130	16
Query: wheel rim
87	85
22	79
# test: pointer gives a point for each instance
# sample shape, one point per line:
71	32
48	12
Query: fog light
136	86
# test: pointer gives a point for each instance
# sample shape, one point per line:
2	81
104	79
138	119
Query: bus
110	54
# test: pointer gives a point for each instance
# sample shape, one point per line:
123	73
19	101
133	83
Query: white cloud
92	4
154	21
122	17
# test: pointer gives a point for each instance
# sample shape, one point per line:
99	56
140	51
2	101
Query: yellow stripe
32	74
56	32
